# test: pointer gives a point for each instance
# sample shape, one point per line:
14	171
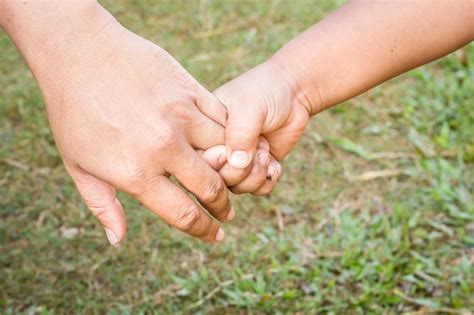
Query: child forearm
367	42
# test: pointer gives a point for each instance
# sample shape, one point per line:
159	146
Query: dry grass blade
280	222
392	155
371	175
16	164
222	30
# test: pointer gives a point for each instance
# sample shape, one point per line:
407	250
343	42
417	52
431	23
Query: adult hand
125	115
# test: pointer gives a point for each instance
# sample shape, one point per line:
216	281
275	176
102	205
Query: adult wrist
58	38
49	33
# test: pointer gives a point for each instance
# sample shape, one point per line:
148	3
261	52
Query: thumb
101	200
243	128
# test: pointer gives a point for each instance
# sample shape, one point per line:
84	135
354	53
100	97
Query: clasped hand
126	116
144	118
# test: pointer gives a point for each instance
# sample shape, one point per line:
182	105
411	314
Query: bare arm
124	114
359	46
365	43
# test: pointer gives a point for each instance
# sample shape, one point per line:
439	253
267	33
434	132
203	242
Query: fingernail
231	214
239	159
279	170
220	235
264	159
113	239
272	171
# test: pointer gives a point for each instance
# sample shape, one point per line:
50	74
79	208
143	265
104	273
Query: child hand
259	178
262	102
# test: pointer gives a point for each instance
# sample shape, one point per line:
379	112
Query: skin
81	71
259	180
126	116
359	46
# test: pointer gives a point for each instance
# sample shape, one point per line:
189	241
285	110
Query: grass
373	215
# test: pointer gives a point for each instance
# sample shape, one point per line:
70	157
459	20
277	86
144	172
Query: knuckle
99	207
160	138
237	190
243	137
182	112
102	211
266	190
240	174
98	211
187	217
166	138
213	190
134	184
233	176
138	184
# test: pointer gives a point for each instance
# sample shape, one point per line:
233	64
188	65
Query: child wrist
304	88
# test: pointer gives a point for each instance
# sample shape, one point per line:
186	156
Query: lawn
374	213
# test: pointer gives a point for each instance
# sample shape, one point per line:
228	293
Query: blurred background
374	212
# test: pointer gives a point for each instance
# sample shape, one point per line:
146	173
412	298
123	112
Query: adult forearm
366	43
51	35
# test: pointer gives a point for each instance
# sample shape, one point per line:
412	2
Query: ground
374	213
